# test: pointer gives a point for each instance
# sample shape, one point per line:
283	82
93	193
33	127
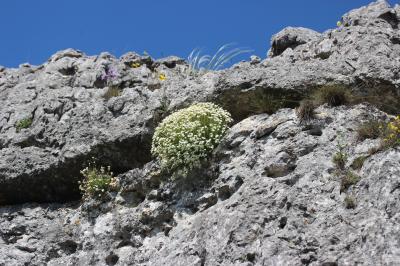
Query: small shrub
187	136
358	162
112	91
333	95
340	157
305	112
109	74
348	179
370	130
350	202
97	181
23	123
392	134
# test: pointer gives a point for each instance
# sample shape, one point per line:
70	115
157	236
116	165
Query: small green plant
186	137
348	179
350	202
112	91
97	181
340	157
371	129
392	133
305	112
23	123
333	95
202	63
340	160
358	162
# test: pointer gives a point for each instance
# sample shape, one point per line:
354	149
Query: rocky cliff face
270	194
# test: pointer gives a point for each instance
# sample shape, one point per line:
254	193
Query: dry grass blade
198	62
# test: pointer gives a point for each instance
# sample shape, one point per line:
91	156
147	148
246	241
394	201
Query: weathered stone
270	193
290	38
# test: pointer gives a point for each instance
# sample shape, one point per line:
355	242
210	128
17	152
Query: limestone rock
270	193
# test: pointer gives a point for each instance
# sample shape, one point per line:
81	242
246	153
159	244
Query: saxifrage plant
186	137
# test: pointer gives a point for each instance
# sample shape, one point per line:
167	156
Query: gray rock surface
269	197
270	194
291	38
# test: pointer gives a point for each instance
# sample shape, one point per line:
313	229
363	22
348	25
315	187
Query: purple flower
110	73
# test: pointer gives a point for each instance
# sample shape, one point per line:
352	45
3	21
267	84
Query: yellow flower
162	77
135	65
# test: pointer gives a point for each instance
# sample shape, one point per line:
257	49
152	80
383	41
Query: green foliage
350	202
97	181
370	130
358	162
305	112
112	91
201	63
391	135
340	157
333	95
188	136
23	123
348	179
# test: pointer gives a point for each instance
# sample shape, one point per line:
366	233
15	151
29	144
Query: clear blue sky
32	30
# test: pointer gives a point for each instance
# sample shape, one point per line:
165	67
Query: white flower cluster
97	182
189	135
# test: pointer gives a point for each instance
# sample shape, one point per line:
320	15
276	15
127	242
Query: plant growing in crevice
185	138
97	181
348	179
112	91
23	123
202	63
306	111
109	75
341	156
333	95
371	129
350	202
392	133
358	162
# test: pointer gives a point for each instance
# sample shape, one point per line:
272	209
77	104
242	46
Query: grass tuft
358	162
371	129
333	95
348	179
305	112
202	63
350	202
112	91
23	123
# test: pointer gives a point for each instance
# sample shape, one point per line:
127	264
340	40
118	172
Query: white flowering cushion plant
97	181
189	135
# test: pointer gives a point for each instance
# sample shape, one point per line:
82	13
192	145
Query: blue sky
32	30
